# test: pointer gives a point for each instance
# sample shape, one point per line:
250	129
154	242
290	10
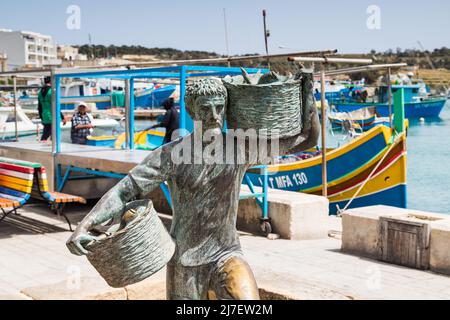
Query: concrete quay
35	264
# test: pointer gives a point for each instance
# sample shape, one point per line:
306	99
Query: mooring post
399	110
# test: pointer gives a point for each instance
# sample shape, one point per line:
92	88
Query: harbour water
429	164
428	172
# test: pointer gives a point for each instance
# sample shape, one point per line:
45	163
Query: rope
341	211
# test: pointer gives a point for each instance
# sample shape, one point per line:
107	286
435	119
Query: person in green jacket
45	108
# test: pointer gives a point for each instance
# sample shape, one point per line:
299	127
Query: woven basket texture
275	108
135	252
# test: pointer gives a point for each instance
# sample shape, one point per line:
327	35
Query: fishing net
128	254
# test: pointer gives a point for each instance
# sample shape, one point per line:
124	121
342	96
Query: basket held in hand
134	253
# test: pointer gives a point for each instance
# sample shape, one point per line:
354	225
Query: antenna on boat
226	34
266	35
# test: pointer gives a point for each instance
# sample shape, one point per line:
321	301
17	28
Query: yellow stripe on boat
102	138
139	137
349	176
394	174
336	152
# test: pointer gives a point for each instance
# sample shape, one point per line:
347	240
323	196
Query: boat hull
348	167
422	109
151	98
144	140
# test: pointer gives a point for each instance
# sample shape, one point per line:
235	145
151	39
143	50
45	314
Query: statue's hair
203	88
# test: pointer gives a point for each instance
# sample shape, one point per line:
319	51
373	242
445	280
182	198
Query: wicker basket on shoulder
135	252
275	108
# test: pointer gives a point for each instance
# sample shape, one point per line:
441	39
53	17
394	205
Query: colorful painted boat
349	166
153	98
146	98
363	118
143	140
416	106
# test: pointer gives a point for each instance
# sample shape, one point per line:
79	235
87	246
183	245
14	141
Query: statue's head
206	101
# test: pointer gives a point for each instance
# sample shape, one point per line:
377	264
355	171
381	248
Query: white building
70	53
25	48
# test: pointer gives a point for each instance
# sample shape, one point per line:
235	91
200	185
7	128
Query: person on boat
45	108
171	121
81	125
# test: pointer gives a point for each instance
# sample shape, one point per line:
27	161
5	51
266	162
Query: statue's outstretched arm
140	181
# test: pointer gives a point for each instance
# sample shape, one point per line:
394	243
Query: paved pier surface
35	264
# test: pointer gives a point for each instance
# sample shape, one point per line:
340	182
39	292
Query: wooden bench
16	183
57	200
37	188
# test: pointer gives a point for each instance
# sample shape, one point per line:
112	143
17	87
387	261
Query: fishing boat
369	170
143	140
363	118
416	105
88	92
335	90
27	127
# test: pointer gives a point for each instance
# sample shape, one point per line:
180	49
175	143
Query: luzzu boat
143	140
377	153
416	106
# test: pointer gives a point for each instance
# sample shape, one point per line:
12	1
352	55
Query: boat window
415	90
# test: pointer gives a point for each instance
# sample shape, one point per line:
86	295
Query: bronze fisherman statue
208	262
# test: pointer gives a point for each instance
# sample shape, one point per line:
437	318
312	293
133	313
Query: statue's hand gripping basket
134	250
272	106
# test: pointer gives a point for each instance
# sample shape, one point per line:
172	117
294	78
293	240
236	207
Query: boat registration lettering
300	178
286	181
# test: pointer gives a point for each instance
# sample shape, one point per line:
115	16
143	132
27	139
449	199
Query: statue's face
211	111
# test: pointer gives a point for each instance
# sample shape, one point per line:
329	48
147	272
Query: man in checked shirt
81	125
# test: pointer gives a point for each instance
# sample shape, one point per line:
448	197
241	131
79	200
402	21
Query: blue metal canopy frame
173	72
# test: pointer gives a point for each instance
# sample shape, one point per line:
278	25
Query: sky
199	24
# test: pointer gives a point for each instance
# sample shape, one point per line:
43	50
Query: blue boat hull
311	177
395	197
147	99
155	98
425	109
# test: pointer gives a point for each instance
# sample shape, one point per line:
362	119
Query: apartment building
30	49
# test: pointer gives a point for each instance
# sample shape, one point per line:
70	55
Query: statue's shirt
205	200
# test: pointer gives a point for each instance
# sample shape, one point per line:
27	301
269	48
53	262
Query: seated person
81	125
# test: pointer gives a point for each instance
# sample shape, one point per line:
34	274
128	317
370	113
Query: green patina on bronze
208	262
